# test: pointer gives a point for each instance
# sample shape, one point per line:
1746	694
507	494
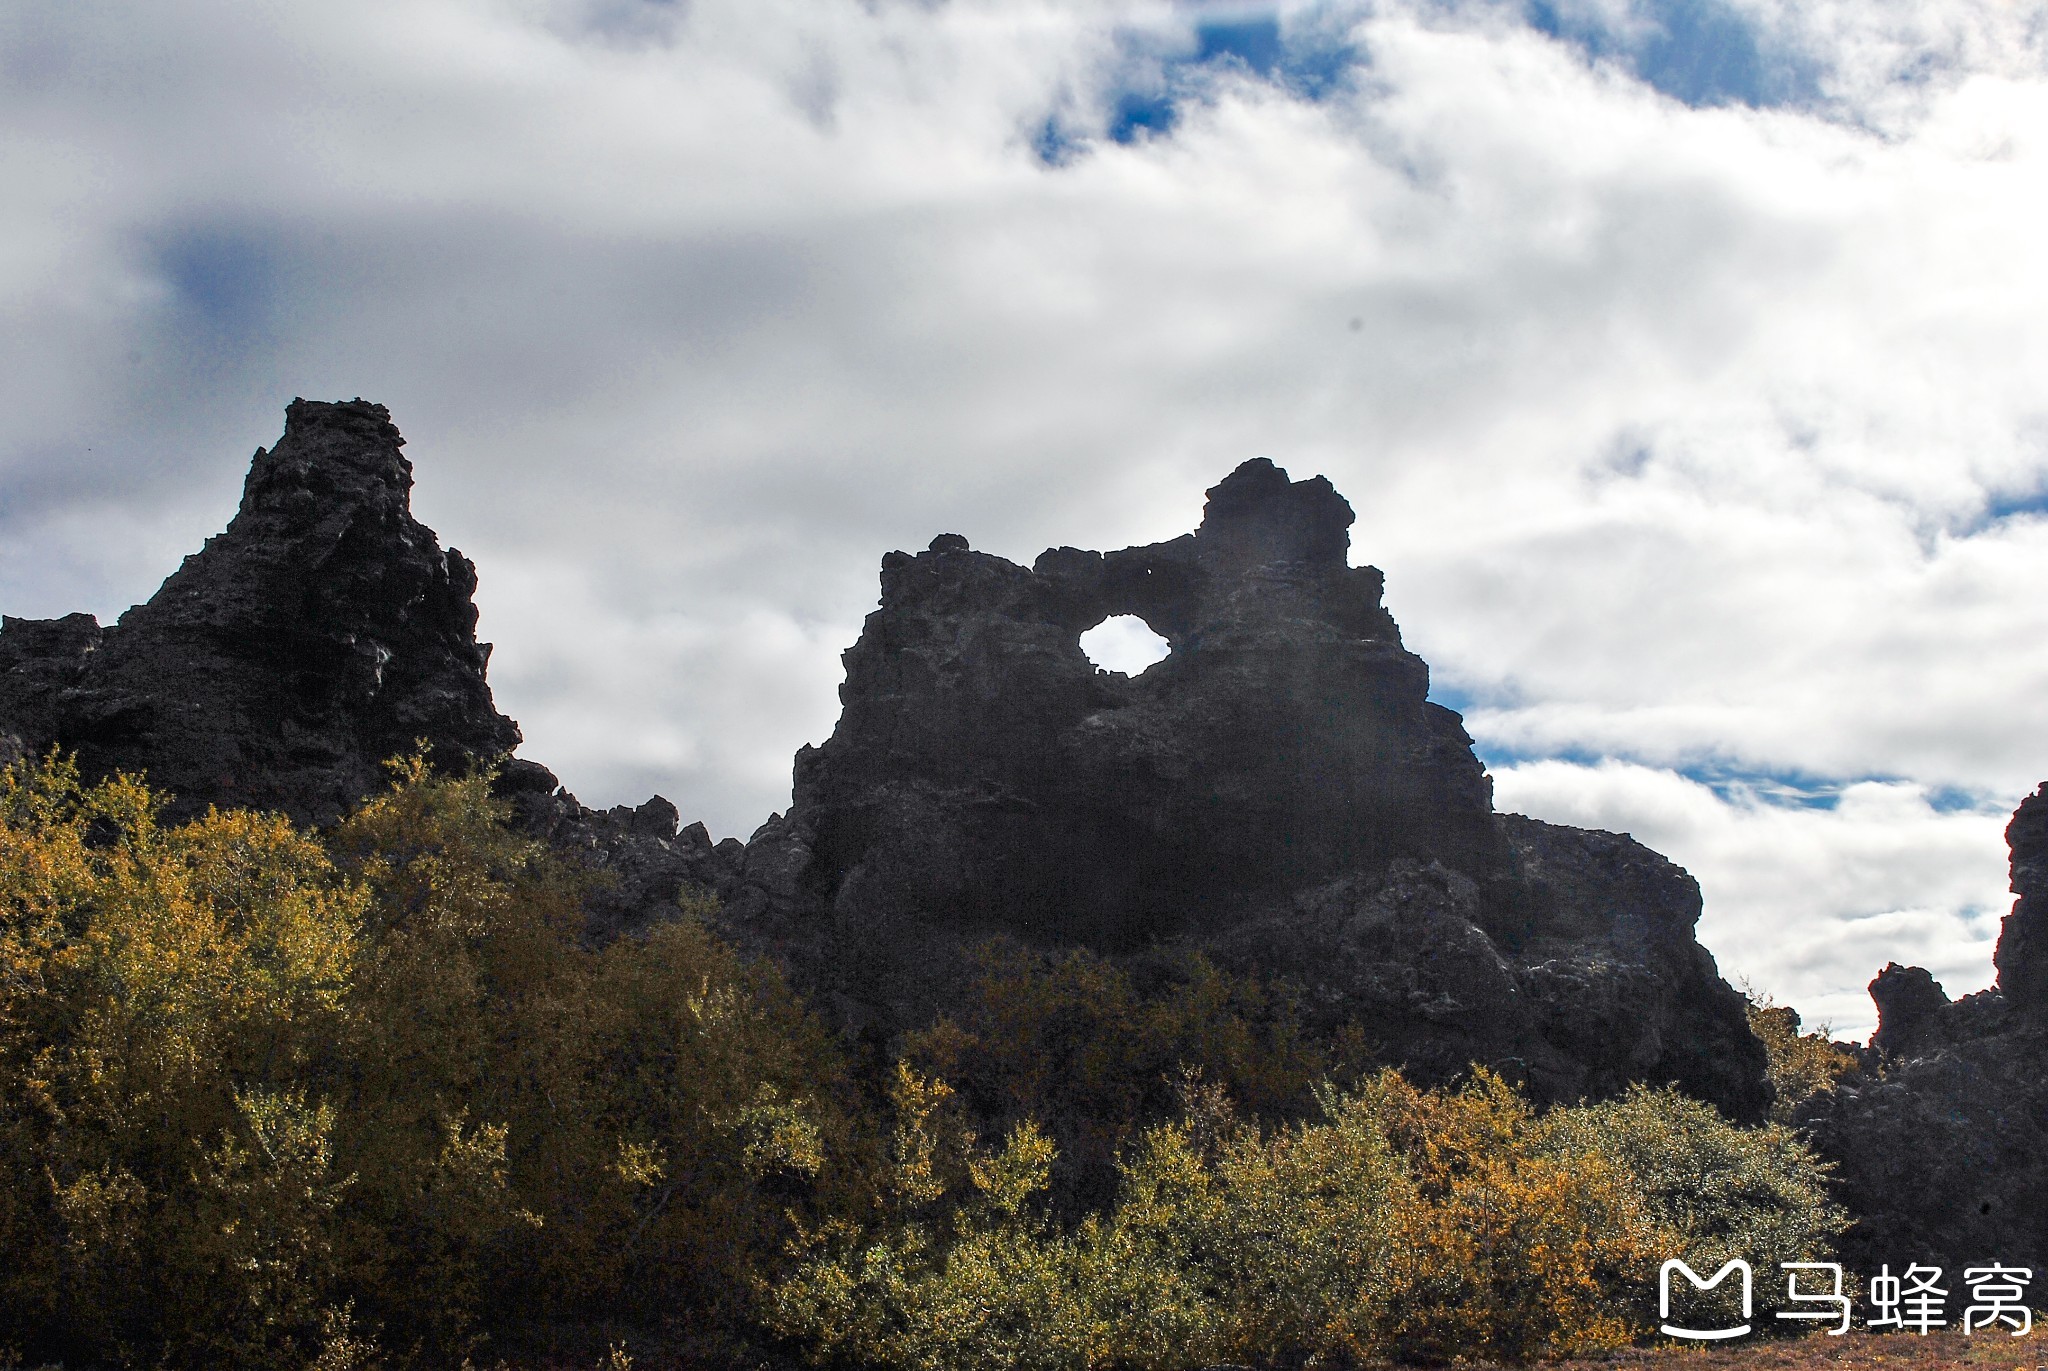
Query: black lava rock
325	631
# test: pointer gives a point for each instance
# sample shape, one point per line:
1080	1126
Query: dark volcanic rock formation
646	858
2022	956
1909	1010
1279	792
323	632
984	771
1943	1156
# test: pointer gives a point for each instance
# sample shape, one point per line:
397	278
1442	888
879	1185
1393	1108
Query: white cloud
1686	436
1806	902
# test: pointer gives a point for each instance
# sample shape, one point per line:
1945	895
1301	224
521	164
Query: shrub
1091	1050
963	1269
541	1126
1711	1190
1424	1224
1801	1064
1514	1250
266	1096
163	993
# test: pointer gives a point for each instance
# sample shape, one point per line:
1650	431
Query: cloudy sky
1684	360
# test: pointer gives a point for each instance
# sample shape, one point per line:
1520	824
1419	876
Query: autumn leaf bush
1090	1050
1802	1065
1419	1224
277	1099
164	993
269	1098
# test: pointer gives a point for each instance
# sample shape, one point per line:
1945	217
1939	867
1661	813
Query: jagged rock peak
985	769
333	455
1257	516
1278	793
325	630
1909	1009
2022	955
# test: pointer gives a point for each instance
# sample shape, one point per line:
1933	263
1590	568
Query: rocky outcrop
985	772
324	631
646	861
1595	983
2022	955
1910	1010
1279	792
1943	1155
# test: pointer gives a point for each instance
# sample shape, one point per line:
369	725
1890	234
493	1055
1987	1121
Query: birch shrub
271	1099
268	1098
1424	1225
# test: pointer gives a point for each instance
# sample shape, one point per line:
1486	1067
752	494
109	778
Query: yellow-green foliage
276	1100
1077	1043
1405	1222
1801	1064
162	991
1514	1251
263	1097
1712	1191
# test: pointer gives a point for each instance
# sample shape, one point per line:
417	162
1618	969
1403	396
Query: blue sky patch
1701	52
2007	505
1254	42
221	279
1308	54
1139	114
1786	789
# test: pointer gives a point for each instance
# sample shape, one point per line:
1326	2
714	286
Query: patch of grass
1936	1351
1946	1350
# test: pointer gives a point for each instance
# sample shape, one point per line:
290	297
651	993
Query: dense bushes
266	1096
1802	1064
269	1099
1422	1224
1090	1050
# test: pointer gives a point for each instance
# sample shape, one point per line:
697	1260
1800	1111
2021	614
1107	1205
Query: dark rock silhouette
646	858
984	771
1943	1156
1278	792
2022	955
1909	1010
324	631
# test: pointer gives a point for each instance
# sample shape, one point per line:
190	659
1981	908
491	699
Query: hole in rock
1123	643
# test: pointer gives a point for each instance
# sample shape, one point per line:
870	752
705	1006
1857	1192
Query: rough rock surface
323	632
2022	955
646	859
985	771
1279	792
1910	1005
1600	983
1943	1156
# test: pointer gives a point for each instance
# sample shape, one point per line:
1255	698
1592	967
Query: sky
1683	360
